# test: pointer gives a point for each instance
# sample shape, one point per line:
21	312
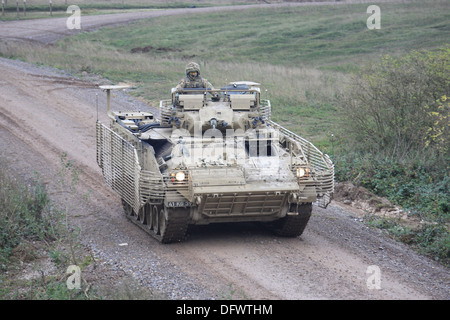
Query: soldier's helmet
192	67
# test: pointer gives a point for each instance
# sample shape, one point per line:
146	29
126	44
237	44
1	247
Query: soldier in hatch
193	78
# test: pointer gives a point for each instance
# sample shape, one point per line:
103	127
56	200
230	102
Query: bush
431	240
25	215
395	141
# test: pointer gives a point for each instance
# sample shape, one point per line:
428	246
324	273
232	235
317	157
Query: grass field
301	55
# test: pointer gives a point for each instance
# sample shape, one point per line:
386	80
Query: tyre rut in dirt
293	225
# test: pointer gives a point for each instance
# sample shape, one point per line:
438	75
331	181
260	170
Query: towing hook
213	123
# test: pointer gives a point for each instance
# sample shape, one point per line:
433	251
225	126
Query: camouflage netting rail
122	171
322	164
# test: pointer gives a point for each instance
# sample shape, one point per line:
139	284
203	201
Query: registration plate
178	204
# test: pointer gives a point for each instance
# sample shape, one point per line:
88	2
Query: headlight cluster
303	172
179	176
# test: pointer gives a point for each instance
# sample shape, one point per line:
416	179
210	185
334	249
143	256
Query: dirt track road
44	113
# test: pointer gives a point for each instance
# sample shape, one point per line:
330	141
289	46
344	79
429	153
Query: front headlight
302	172
180	176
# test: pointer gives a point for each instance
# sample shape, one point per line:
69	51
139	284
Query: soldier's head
192	70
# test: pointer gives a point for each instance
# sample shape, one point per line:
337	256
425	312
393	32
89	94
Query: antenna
226	90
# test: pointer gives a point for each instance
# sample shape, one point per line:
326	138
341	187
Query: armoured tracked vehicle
213	156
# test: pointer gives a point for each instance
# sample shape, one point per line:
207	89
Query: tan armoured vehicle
213	156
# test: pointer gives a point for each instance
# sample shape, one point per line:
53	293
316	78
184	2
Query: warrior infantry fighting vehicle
213	156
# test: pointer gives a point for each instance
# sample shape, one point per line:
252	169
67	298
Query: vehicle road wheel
155	220
141	216
162	221
148	215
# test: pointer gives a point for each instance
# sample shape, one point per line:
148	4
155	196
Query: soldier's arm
180	85
207	84
215	95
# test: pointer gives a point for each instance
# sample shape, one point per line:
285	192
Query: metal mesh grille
322	164
120	167
227	205
122	171
151	187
